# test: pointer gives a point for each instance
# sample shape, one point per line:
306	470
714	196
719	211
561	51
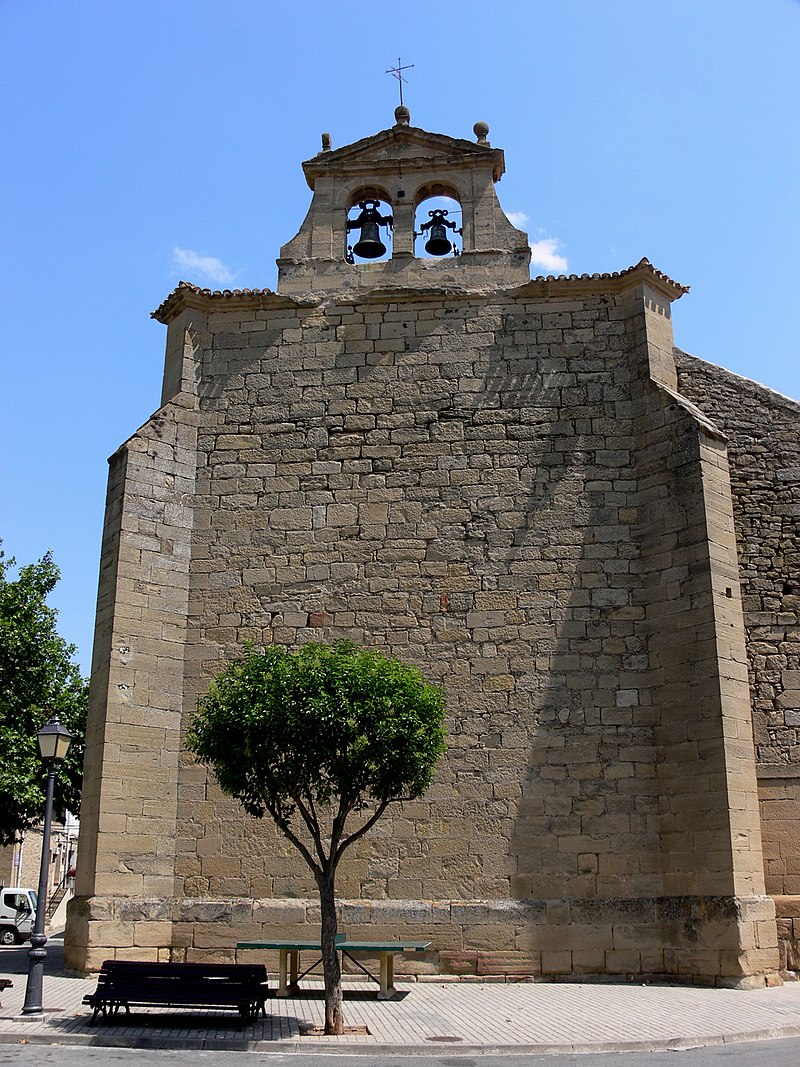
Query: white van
17	914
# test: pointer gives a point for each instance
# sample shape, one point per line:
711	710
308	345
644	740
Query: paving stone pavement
463	1016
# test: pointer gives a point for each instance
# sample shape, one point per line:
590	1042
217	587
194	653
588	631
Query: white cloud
209	266
517	218
544	254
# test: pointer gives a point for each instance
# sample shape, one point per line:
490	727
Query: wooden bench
289	959
5	983
131	983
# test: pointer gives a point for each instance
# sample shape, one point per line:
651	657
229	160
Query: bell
369	245
438	244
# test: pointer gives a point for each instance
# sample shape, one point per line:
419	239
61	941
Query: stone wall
763	432
450	482
505	490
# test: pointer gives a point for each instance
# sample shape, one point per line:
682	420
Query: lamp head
54	740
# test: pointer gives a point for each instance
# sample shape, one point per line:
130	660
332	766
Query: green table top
385	946
348	945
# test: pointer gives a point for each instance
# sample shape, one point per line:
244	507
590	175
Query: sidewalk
456	1016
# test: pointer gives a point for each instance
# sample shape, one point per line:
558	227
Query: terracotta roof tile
644	263
186	294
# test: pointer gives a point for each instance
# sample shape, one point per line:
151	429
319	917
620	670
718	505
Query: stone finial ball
481	130
402	115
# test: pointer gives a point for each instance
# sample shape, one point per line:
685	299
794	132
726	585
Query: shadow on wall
568	744
585	820
497	467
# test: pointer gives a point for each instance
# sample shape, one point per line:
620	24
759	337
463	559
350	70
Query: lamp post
54	742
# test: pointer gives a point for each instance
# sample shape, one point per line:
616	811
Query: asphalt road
746	1054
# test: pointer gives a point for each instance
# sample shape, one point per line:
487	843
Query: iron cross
398	73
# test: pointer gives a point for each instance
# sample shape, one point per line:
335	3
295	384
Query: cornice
187	295
383	151
619	281
551	286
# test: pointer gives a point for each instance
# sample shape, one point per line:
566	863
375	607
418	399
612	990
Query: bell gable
399	169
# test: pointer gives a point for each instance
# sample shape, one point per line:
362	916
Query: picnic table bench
133	983
289	959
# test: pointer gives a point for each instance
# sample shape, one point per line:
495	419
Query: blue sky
150	142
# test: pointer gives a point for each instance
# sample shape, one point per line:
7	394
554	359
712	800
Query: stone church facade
587	537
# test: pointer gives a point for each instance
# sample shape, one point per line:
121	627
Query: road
746	1054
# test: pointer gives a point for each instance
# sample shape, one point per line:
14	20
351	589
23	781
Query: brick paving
535	1017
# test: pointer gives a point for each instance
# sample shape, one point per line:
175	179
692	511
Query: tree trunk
334	1019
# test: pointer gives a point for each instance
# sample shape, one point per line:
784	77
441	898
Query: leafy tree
37	679
314	738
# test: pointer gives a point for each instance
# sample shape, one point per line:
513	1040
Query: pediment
404	144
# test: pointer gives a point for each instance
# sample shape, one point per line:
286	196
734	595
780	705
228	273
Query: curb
326	1047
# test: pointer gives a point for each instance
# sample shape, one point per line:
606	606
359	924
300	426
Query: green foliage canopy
37	679
290	732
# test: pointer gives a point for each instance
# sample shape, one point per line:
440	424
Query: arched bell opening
369	226
437	222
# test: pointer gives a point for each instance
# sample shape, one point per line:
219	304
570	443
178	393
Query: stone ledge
778	770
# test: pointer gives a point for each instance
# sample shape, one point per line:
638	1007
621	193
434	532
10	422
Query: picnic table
289	959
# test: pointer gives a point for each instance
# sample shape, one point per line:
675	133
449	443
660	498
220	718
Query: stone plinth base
787	910
730	941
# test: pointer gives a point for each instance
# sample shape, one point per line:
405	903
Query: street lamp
54	742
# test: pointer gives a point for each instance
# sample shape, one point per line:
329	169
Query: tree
315	737
37	679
